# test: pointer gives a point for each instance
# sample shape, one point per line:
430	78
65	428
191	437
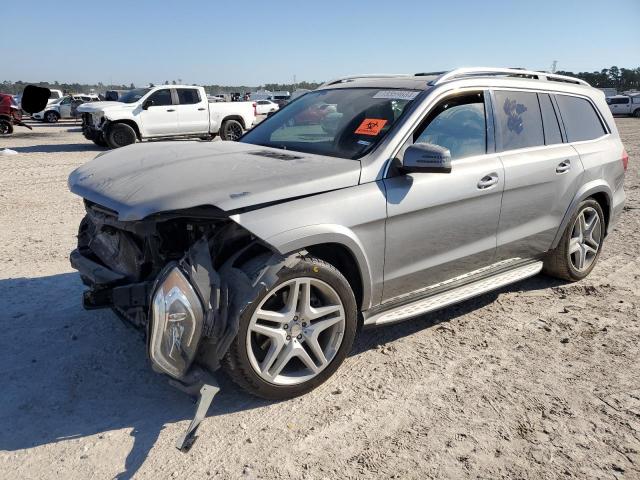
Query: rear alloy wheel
5	127
580	245
51	117
231	130
295	334
120	135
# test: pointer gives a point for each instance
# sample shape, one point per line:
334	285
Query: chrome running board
455	295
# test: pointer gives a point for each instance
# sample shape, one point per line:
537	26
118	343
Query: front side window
518	120
344	122
458	124
581	121
188	96
161	97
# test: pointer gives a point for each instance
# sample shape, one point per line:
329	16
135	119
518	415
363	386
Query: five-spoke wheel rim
295	331
586	237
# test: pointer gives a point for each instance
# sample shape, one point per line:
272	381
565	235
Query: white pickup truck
164	112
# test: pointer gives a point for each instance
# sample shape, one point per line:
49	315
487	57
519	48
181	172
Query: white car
64	107
164	112
266	106
624	105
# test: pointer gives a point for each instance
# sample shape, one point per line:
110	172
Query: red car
10	114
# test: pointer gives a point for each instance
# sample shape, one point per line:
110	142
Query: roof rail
512	72
370	75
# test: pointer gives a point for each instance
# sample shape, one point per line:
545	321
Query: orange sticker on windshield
371	126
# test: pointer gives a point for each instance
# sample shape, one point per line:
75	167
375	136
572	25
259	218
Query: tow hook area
206	387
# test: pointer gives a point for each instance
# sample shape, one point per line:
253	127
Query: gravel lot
538	380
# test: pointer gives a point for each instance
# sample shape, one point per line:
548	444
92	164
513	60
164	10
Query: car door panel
193	118
539	185
441	226
159	119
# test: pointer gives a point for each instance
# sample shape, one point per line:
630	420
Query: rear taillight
625	159
255	110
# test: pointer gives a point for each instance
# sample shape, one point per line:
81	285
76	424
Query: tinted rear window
518	120
581	121
549	120
188	96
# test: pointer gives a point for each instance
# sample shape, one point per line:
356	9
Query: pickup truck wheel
231	130
293	336
5	127
580	245
51	117
119	135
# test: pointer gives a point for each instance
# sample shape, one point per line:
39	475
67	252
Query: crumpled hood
91	107
143	179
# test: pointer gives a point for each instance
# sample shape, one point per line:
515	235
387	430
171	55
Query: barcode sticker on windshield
396	94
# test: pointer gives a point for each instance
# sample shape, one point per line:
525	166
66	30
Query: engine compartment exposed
134	253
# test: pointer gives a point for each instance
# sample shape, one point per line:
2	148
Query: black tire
636	113
100	142
231	130
51	116
6	128
558	261
120	135
236	362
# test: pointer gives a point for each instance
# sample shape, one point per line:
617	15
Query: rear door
160	117
193	111
443	225
65	107
542	172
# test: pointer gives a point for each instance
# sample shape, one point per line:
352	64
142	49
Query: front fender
310	235
586	191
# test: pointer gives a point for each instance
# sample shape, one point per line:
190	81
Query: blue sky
256	42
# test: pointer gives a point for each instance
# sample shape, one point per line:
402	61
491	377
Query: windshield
344	123
132	96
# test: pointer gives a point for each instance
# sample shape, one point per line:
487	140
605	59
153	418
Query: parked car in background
10	114
281	98
65	107
164	112
624	105
266	106
265	256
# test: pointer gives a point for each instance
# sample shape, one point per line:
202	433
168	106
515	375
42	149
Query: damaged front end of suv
181	277
161	274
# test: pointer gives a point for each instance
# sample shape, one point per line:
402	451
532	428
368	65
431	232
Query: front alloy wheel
295	334
296	331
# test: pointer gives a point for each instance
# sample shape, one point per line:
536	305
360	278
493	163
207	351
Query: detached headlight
176	324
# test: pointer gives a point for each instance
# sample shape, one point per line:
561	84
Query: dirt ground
538	380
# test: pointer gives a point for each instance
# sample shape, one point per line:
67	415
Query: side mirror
426	157
147	104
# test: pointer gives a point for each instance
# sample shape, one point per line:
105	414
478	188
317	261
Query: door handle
201	109
563	167
488	181
171	110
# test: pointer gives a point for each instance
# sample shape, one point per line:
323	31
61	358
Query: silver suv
368	201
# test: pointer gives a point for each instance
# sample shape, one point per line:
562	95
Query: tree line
614	77
621	79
